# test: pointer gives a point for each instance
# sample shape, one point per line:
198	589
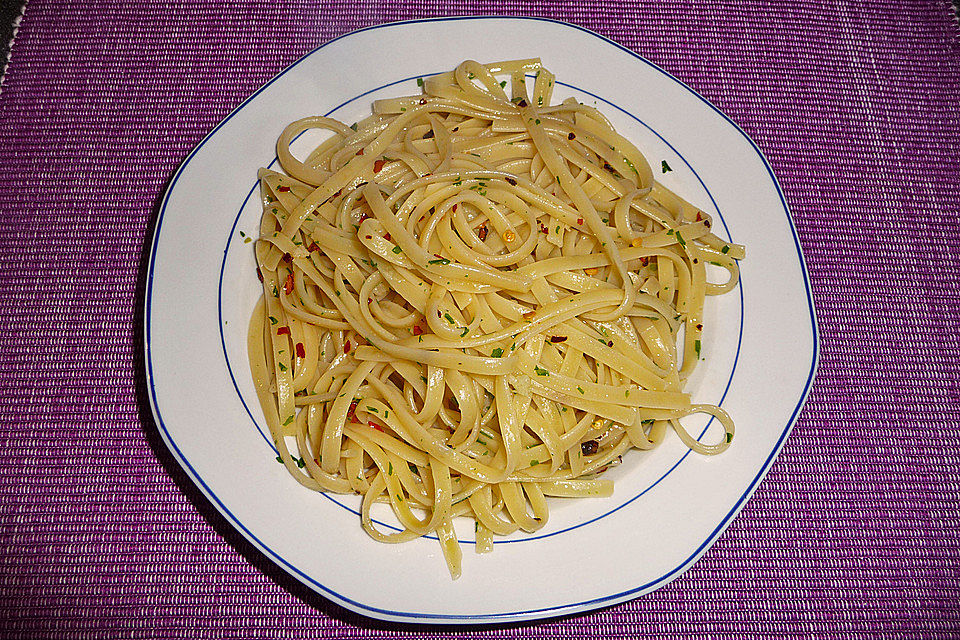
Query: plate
669	505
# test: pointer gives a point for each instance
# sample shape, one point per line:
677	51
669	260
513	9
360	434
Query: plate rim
498	617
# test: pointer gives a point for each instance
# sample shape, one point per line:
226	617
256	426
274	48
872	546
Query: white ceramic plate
669	505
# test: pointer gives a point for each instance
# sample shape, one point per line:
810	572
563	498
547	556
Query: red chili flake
699	216
699	327
283	189
643	261
609	343
571	135
337	194
522	103
423	101
368	237
482	232
346	347
259	275
301	353
378	165
375	426
313	247
360	153
352	411
288	284
556	339
417	330
454	208
386	236
543	228
579	220
706	223
283	330
511	181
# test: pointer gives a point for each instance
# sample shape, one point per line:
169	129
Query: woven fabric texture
855	533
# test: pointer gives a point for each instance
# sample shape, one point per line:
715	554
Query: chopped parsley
664	166
541	372
580	389
442	261
288	420
729	437
725	249
397	249
449	318
496	353
419	82
696	347
273	320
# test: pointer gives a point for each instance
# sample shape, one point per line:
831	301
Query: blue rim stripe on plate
502	616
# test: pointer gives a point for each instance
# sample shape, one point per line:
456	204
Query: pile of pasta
473	300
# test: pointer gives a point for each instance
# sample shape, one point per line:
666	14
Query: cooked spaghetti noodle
473	301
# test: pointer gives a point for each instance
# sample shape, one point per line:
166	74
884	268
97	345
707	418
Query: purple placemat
854	534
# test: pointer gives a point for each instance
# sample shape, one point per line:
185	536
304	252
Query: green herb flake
537	121
288	420
464	332
397	250
390	469
279	459
503	84
371	409
442	261
683	243
419	82
725	249
580	389
496	353
541	372
449	318
354	126
647	421
273	320
534	463
282	366
729	437
243	235
696	347
664	166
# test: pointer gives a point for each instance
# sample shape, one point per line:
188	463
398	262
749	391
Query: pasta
474	301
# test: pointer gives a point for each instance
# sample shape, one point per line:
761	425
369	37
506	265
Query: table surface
855	533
